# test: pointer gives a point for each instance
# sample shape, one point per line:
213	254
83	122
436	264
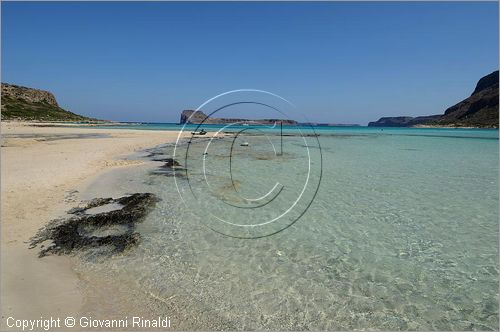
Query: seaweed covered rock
114	229
169	162
170	168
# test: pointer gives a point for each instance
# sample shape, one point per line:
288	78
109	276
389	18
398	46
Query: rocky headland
479	110
27	104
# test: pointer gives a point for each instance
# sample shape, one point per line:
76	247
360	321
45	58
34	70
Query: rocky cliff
197	117
189	116
11	91
22	103
478	110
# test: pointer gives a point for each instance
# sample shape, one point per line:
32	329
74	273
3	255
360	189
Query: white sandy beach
40	171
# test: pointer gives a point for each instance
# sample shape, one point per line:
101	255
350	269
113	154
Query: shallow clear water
402	234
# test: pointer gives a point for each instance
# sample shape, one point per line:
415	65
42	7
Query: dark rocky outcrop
170	168
486	82
169	162
22	103
478	110
189	116
197	117
112	231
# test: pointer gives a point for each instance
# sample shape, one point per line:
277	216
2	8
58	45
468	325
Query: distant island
198	117
27	104
318	124
479	110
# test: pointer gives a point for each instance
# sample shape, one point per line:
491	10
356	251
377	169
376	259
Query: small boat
244	144
201	132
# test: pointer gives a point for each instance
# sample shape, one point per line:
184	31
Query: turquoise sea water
400	234
448	132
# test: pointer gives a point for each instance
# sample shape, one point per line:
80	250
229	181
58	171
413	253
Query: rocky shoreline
480	110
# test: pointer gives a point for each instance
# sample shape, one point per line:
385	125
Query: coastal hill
478	110
22	103
403	121
197	117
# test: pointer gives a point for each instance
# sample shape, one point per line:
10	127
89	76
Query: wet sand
43	169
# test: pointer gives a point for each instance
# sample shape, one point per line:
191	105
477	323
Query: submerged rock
114	229
170	168
169	162
170	172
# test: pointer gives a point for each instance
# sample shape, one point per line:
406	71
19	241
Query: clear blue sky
338	62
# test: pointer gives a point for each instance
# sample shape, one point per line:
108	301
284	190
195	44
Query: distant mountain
197	117
403	121
478	110
22	103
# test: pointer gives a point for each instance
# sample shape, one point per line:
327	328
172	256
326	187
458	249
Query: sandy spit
40	169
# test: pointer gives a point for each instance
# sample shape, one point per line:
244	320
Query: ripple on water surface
403	234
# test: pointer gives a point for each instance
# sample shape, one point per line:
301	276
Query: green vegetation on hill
19	109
